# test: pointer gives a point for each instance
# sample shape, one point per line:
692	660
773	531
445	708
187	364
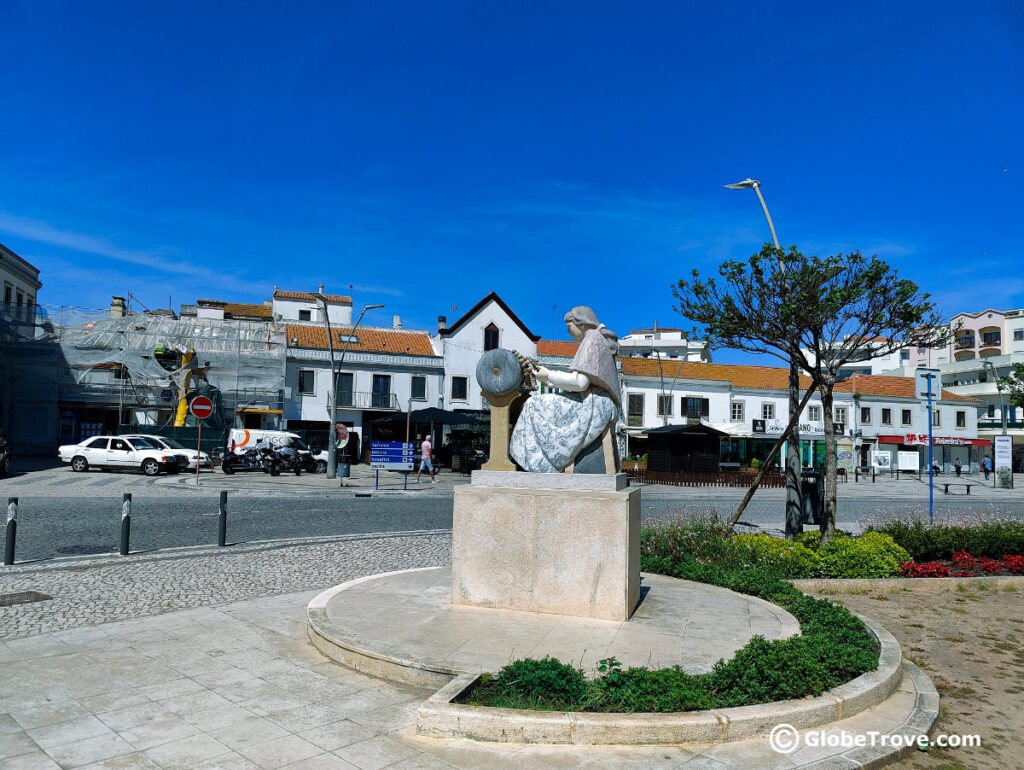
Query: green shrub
792	560
872	555
545	683
702	539
765	671
644	690
928	543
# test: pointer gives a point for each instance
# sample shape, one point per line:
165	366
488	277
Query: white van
243	439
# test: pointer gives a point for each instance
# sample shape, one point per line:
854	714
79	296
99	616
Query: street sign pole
199	446
931	455
201	407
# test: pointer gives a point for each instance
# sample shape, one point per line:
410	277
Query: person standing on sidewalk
957	467
986	465
425	449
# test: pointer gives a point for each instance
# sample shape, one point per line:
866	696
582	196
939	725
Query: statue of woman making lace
555	429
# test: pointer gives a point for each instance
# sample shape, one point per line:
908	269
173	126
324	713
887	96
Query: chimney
442	323
321	288
396	321
117	307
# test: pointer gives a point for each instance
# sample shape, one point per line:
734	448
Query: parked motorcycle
264	459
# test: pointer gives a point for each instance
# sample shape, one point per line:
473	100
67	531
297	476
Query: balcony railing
364	400
965	342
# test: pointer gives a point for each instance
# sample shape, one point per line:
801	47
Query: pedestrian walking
425	450
957	467
986	466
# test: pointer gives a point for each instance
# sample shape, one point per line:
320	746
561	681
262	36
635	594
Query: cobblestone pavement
94	590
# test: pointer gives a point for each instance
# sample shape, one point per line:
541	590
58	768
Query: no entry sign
201	407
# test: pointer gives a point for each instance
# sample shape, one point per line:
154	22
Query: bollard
12	530
126	522
222	519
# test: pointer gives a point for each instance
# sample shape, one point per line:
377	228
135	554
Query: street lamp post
999	390
794	509
332	449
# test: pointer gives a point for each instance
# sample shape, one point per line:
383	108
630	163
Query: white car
122	452
172	445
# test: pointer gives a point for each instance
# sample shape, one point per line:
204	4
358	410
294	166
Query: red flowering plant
927	569
963	560
1014	564
990	565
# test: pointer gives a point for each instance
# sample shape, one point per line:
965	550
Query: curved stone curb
440	717
928	585
343	648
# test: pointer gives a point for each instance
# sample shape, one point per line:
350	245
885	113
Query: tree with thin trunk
1013	385
824	312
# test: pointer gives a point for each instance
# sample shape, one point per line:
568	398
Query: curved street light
332	448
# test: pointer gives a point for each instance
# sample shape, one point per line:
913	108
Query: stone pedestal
572	550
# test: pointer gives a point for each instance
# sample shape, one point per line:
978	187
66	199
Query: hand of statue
542	373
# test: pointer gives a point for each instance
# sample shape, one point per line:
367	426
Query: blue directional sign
391	456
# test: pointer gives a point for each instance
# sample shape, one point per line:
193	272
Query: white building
305	306
21	289
489	324
669	343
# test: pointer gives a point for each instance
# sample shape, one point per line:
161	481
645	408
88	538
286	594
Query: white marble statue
554	428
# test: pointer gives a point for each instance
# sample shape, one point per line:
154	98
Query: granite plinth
565	551
601	482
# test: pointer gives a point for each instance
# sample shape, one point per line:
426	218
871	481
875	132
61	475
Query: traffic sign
923	378
392	456
201	407
342	435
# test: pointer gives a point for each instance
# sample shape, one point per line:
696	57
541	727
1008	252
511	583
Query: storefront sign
757	426
778	426
921	439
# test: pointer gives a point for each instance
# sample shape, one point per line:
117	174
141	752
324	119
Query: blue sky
558	153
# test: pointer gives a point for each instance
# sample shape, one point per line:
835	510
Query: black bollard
126	522
222	519
12	530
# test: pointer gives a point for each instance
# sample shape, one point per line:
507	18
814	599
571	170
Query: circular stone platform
402	626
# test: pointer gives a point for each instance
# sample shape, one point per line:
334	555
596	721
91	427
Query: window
991	338
814	413
635	410
906	417
380	397
97	443
886	416
305	315
841	414
419	387
21	299
118	445
8	293
936	419
1018	335
865	415
460	388
664	406
694	407
961	418
307	382
767	411
345	386
491	335
904	355
736	411
991	412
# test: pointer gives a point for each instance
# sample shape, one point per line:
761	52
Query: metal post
12	530
126	522
931	453
199	448
222	519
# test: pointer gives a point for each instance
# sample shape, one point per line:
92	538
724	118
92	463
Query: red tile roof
305	295
369	339
235	309
565	348
741	376
881	385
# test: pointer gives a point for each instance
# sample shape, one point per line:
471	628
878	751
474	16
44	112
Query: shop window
886	416
460	388
491	335
664	406
865	415
635	410
419	388
307	380
906	417
767	411
736	411
961	418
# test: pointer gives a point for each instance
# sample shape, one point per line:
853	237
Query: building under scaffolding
69	373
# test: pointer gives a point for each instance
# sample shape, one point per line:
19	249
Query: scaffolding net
64	363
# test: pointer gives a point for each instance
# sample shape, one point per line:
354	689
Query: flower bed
964	564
